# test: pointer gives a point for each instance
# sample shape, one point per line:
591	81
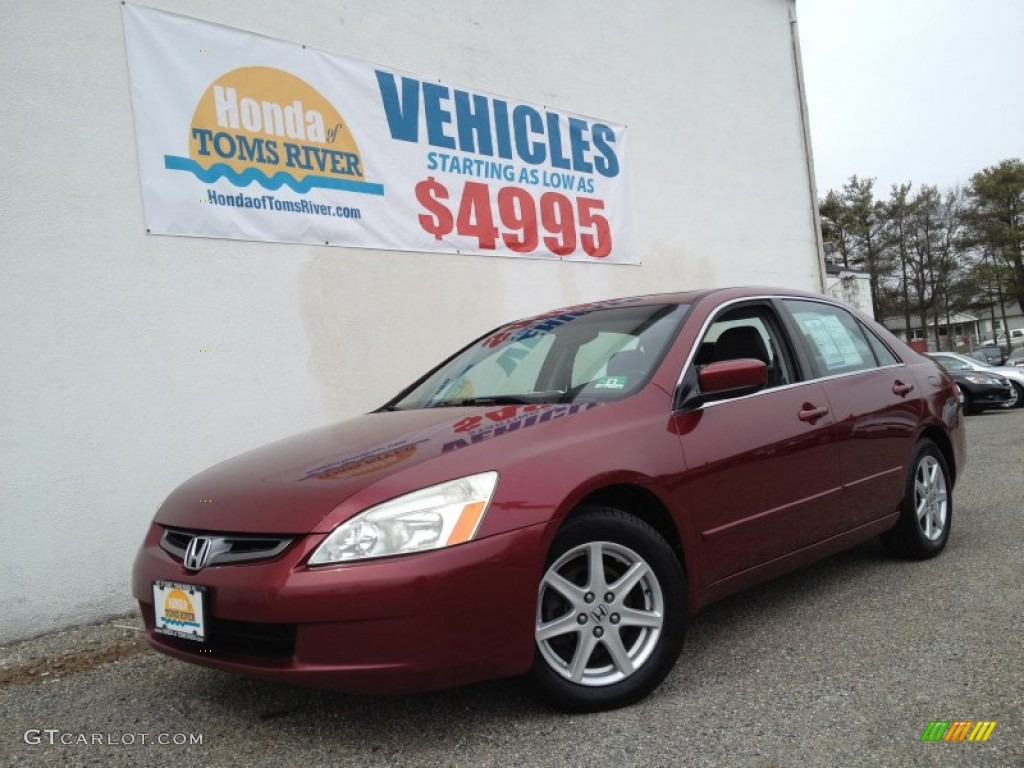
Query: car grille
226	548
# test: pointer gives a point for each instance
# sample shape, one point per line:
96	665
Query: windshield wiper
490	400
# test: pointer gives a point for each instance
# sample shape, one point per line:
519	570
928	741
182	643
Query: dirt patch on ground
71	651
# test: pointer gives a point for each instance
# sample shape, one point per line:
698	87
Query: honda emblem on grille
197	554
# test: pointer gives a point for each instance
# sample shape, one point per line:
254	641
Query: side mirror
728	378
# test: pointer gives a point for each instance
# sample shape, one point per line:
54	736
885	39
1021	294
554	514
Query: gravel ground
841	664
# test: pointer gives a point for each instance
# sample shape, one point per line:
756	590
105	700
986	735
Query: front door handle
811	413
901	389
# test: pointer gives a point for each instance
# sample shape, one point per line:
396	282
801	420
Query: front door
762	474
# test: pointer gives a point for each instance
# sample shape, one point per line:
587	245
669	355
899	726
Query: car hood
1009	372
291	486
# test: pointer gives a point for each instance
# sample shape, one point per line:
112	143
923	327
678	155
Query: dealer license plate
180	610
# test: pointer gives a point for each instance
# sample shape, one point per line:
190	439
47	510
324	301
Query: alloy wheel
600	612
1015	394
930	498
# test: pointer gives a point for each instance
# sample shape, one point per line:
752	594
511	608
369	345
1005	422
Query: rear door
762	470
872	397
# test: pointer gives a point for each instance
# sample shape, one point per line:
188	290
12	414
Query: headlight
975	378
435	517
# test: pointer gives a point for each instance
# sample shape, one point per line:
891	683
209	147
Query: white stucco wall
107	401
853	288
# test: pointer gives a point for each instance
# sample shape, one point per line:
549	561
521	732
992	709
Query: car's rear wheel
611	612
926	511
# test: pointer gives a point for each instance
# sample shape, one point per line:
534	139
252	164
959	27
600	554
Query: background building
994	321
959	329
131	361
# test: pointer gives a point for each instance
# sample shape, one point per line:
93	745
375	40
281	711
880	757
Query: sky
925	91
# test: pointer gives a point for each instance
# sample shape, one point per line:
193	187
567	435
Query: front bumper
990	395
418	622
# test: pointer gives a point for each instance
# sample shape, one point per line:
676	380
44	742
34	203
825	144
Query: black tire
620	655
969	410
926	511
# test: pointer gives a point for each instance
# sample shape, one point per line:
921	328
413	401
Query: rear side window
834	338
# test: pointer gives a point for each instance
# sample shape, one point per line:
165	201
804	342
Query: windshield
983	359
595	352
953	363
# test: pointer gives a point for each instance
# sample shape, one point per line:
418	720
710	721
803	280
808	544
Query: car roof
694	296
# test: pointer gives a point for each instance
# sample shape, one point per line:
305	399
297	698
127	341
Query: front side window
749	331
598	352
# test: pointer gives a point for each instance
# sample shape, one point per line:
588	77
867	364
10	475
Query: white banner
246	137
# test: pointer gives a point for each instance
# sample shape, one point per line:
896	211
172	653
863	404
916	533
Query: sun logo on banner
265	125
178	609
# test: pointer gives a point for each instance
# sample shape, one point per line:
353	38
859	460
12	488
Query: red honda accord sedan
558	498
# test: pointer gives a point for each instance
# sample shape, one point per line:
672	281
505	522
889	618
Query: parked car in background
983	386
1016	338
991	354
558	498
1016	358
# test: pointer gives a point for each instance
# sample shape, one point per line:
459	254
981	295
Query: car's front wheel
1016	396
966	402
611	612
926	511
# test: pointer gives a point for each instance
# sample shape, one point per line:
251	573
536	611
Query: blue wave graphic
177	623
275	182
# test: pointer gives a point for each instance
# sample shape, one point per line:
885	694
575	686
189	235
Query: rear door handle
812	414
901	389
